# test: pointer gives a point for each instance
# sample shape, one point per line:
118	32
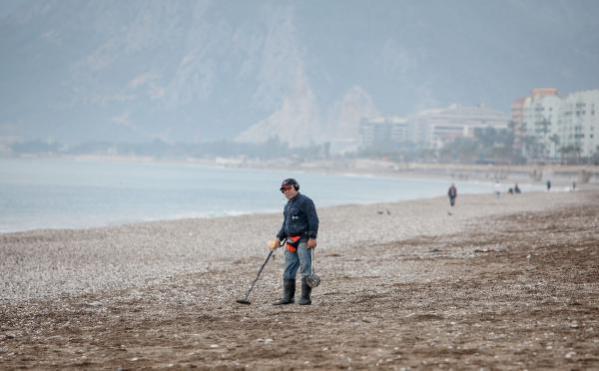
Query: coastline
46	264
368	169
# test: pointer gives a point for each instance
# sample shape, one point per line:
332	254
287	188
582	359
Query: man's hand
312	243
275	244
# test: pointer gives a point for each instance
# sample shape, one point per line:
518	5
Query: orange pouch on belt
292	243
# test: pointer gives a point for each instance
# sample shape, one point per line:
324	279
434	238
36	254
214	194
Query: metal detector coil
313	280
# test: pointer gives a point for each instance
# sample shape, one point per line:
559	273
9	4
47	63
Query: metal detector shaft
258	275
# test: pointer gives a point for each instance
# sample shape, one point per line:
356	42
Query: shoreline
110	224
51	263
436	175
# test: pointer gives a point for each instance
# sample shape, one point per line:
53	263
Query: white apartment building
431	128
436	127
540	116
384	132
578	123
561	124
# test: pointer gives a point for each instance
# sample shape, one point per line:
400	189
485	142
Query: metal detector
245	300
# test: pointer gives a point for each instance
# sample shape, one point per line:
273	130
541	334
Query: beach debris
495	248
265	341
570	355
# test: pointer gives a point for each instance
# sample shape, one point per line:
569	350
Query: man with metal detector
300	229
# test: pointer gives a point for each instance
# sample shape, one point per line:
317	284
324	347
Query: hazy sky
76	70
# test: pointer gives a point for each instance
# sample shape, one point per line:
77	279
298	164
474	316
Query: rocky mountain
302	71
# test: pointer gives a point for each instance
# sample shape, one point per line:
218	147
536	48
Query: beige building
518	123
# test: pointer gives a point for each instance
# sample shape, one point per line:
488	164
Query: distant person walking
548	185
452	193
300	228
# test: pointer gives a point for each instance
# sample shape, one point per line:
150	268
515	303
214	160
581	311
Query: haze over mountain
304	71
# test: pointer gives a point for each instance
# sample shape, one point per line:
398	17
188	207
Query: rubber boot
288	293
306	290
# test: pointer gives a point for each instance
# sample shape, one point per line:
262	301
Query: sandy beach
508	283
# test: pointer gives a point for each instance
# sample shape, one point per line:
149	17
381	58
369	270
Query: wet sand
508	284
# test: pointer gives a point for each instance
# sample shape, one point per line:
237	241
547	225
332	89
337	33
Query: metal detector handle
312	260
263	265
247	294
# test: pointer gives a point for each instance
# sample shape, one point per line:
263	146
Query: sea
66	193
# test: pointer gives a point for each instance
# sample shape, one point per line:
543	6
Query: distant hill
304	71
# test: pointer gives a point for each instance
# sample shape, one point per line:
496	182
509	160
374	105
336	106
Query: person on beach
300	229
548	185
452	193
497	189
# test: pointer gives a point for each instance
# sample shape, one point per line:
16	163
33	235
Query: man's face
289	192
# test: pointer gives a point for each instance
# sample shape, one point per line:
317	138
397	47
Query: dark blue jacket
300	218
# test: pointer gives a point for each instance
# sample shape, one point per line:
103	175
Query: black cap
290	182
